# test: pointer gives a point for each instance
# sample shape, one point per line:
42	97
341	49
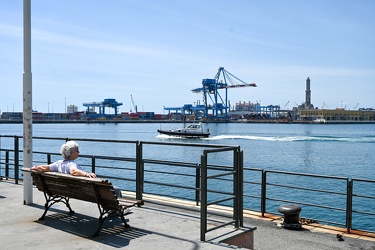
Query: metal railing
341	201
216	172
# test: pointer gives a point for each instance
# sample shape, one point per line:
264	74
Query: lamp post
27	104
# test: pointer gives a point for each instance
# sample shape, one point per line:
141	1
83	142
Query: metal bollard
291	216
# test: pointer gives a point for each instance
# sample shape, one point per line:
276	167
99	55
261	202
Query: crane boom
134	106
215	83
214	105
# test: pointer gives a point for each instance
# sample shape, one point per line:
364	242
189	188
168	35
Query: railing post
240	188
197	183
7	164
16	158
203	196
49	159
263	193
349	205
139	171
236	180
93	163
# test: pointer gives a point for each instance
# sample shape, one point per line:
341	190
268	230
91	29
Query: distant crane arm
233	84
134	106
228	77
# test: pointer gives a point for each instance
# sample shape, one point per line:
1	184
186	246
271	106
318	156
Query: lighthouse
308	94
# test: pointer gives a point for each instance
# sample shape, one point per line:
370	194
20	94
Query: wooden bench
58	187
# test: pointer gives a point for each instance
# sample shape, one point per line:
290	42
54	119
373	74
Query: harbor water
341	150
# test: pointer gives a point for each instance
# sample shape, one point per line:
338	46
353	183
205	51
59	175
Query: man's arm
41	168
76	172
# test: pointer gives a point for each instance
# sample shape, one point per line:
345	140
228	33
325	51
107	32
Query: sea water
343	150
346	150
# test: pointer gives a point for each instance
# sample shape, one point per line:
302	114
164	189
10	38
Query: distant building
72	109
246	106
339	114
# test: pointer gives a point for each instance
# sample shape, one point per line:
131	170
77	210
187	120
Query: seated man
70	152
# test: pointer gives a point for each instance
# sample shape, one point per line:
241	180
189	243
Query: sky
86	51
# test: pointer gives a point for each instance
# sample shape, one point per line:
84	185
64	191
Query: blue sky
158	51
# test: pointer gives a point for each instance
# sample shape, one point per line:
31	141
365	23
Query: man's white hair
68	148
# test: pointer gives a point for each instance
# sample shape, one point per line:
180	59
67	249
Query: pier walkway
153	226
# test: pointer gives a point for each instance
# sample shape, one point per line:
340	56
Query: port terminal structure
107	103
215	106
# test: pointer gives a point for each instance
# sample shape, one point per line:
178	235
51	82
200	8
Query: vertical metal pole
197	183
16	158
204	196
49	159
139	171
263	192
27	104
349	205
7	164
236	181
93	163
240	187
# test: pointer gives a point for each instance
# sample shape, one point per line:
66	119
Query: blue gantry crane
215	107
107	103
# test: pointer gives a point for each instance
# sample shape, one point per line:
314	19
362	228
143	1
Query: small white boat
319	120
194	130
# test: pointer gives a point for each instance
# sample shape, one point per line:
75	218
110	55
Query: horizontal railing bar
252	182
219	175
253	169
251	196
363	180
219	201
83	139
363	196
171	185
307	175
221	149
171	163
307	189
308	204
100	157
220	226
168	173
218	192
362	212
219	167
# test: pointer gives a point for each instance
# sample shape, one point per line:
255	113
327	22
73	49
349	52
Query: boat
194	130
319	120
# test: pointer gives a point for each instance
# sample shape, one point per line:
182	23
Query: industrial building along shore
244	112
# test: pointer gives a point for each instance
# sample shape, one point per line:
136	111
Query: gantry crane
107	103
210	89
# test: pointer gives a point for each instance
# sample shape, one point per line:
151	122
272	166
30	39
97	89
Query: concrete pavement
153	226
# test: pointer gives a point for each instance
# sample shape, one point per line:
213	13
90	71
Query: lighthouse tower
308	104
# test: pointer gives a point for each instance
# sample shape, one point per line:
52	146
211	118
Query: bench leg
104	214
51	200
122	216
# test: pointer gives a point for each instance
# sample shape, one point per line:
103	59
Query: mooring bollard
291	216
